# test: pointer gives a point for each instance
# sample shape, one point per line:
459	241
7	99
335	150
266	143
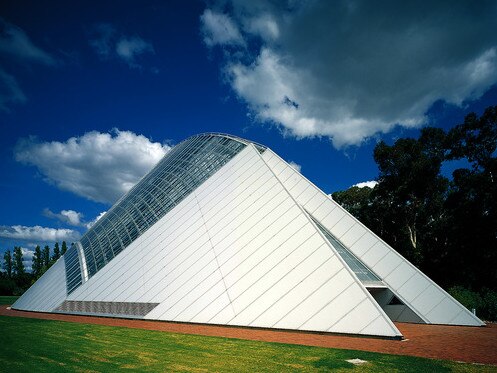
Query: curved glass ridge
180	172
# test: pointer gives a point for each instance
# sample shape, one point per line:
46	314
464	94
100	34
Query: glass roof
181	171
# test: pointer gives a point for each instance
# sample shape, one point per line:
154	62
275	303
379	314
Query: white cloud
27	258
10	92
219	29
264	26
129	48
370	184
98	166
296	166
15	42
38	233
350	70
70	217
108	43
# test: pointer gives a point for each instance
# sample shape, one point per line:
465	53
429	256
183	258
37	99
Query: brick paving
459	343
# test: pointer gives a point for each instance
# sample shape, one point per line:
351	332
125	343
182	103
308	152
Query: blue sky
92	96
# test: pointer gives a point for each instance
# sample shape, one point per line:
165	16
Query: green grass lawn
8	299
31	345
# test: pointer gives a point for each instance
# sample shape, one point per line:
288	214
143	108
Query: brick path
468	344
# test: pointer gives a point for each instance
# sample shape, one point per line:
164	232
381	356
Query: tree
7	263
472	202
355	200
37	262
448	228
56	253
410	193
18	265
46	258
64	248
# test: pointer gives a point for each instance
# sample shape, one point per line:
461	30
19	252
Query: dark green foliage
489	306
64	248
56	253
8	299
469	299
15	280
37	265
411	186
7	284
355	200
18	265
448	228
484	302
7	263
46	258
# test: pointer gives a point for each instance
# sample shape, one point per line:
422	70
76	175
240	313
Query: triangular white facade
253	245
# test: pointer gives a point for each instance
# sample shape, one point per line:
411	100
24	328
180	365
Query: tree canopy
447	226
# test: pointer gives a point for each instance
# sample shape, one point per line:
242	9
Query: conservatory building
223	231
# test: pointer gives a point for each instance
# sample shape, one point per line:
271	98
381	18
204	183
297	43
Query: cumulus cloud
108	43
296	166
263	25
27	258
15	42
350	70
370	184
219	29
70	217
98	166
38	233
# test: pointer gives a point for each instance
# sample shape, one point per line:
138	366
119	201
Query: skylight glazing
180	172
362	272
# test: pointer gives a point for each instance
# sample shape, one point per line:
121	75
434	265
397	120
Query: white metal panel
326	207
314	273
462	319
262	312
192	284
316	299
343	226
47	293
341	303
400	275
353	235
444	310
369	248
356	321
332	219
269	273
375	254
254	267
363	245
387	264
217	310
414	287
375	327
428	299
